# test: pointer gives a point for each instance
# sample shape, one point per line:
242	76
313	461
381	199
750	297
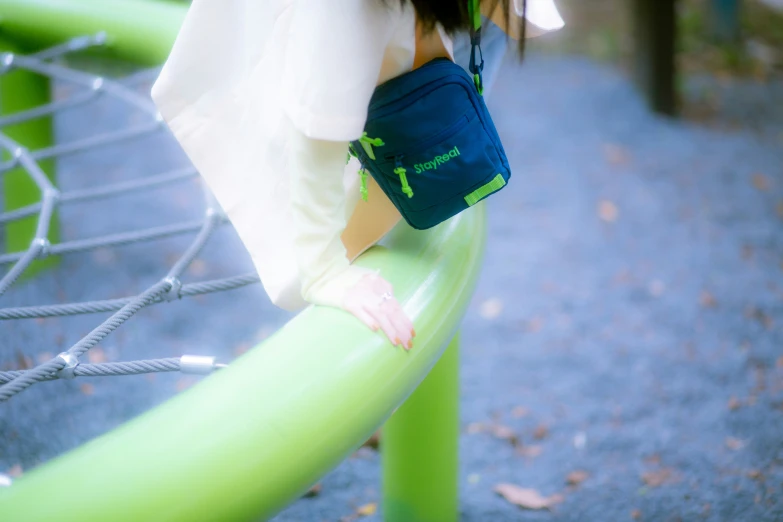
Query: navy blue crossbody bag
429	140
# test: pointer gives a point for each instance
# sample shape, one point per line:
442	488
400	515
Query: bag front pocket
443	166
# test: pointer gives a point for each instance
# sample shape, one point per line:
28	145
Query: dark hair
453	15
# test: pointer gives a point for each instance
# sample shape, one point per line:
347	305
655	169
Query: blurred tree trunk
654	34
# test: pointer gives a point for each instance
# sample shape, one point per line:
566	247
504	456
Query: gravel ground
627	323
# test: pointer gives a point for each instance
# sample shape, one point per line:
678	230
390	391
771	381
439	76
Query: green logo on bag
437	160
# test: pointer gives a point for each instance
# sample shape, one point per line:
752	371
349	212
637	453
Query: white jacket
246	79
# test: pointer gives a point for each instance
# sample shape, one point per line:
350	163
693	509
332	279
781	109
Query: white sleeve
318	206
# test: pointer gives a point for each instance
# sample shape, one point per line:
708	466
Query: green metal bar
21	90
247	441
141	31
419	446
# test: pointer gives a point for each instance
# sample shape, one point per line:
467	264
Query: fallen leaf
653	459
15	471
658	477
521	411
96	355
241	348
755	474
541	432
264	332
313	491
636	514
197	268
23	362
44	357
615	154
526	498
491	308
374	441
475	427
734	404
759	315
734	444
531	451
87	388
367	509
183	383
608	211
761	182
505	433
577	477
534	324
707	300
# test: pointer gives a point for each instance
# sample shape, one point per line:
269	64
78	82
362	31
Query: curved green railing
249	440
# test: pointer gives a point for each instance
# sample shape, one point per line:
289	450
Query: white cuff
331	292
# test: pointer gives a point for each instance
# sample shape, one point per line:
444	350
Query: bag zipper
442	135
394	106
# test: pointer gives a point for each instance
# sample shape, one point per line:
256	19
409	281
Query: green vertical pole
20	90
419	448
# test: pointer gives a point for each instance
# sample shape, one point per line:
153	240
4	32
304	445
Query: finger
402	324
365	317
386	325
406	321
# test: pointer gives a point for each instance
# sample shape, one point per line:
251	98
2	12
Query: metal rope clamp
71	362
198	364
6	62
16	157
173	293
45	245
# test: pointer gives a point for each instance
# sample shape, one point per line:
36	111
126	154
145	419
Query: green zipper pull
401	172
369	143
363	187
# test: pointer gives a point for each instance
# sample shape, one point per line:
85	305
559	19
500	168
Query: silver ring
386	297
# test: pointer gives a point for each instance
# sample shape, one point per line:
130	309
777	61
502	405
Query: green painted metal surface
141	31
250	439
247	441
21	90
419	445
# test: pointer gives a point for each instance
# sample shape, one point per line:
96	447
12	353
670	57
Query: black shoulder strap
475	44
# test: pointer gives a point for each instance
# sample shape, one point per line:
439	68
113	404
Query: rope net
66	365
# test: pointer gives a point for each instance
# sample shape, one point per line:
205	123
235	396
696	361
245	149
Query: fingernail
413	333
397	341
410	345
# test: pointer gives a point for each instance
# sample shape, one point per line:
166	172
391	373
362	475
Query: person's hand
372	301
